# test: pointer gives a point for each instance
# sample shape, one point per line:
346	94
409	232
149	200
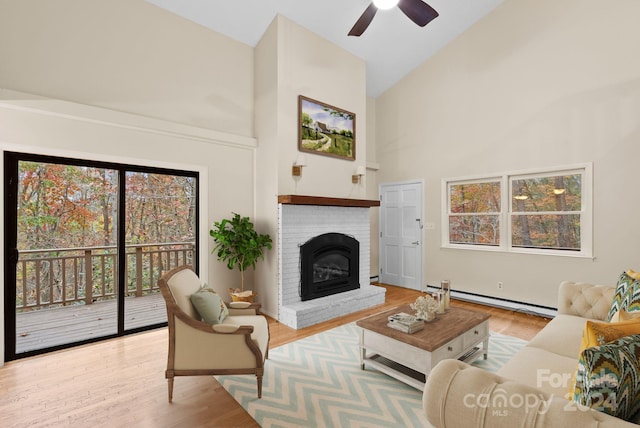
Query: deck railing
68	276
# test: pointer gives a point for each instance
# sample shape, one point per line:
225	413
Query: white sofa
531	389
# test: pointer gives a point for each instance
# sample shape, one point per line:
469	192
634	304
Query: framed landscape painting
326	130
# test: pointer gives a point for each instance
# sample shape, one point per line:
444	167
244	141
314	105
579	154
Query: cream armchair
239	345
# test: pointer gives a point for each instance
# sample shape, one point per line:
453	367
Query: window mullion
505	206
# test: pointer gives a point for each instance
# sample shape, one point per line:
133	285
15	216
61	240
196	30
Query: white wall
64	129
127	55
267	160
130	56
371	183
292	61
536	83
316	68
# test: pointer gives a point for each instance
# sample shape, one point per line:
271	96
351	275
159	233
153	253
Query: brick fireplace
302	218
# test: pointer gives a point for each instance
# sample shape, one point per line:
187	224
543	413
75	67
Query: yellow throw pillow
633	274
600	333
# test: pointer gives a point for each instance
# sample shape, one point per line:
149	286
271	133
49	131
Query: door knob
416	242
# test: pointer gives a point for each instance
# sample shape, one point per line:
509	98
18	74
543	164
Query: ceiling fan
417	10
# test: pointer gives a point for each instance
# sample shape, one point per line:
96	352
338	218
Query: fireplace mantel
323	201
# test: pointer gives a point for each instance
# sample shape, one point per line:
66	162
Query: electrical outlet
500	285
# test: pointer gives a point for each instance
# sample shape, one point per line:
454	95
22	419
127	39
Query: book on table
405	329
405	322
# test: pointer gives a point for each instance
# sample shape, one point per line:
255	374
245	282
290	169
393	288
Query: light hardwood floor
120	382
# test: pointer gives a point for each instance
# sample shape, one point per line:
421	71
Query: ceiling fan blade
363	22
418	11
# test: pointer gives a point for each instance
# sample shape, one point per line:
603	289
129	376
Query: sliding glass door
86	243
159	229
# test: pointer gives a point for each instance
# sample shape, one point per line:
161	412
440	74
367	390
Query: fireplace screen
329	264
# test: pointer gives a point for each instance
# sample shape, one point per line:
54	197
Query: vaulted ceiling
392	46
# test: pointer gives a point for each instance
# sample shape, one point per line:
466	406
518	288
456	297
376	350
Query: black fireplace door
329	264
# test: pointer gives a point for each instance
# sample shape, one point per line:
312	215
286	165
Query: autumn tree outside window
474	213
544	212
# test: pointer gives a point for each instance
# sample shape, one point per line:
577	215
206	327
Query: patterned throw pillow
608	377
600	333
209	305
633	298
626	300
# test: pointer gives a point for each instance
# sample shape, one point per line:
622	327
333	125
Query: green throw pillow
608	377
209	305
626	299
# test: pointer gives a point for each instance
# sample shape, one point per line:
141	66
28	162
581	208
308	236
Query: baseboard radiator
512	305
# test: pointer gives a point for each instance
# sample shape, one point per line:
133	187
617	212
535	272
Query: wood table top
436	333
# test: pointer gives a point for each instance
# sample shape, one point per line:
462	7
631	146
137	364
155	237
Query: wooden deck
52	327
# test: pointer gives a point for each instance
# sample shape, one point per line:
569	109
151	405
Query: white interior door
401	234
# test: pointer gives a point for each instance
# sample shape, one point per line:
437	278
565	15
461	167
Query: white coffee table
459	333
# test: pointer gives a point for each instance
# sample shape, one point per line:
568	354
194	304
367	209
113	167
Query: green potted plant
238	244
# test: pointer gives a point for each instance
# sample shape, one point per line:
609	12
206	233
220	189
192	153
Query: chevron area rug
317	382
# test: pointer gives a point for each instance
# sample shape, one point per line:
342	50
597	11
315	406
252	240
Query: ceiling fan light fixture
416	10
385	4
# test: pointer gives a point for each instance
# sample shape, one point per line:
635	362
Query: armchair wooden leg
259	378
170	383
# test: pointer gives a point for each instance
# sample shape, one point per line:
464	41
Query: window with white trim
474	212
543	211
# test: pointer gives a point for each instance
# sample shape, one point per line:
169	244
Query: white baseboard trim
542	311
